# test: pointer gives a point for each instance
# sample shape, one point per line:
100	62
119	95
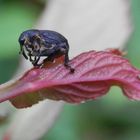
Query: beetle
35	44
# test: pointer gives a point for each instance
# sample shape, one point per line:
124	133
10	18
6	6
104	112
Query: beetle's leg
35	62
36	59
66	60
23	53
30	56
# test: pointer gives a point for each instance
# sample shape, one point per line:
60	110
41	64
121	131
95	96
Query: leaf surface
95	72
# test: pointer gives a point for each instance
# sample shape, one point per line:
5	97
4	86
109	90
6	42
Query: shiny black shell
50	37
37	43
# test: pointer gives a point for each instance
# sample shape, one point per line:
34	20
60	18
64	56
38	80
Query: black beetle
38	43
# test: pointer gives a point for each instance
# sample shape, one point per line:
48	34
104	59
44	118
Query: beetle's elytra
37	43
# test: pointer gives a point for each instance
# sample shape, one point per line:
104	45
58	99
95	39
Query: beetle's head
29	41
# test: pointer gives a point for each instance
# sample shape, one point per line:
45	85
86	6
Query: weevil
35	44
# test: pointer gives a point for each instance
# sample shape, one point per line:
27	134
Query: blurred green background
112	117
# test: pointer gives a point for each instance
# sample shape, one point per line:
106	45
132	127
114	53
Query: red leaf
95	72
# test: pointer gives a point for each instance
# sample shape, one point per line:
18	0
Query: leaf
95	72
